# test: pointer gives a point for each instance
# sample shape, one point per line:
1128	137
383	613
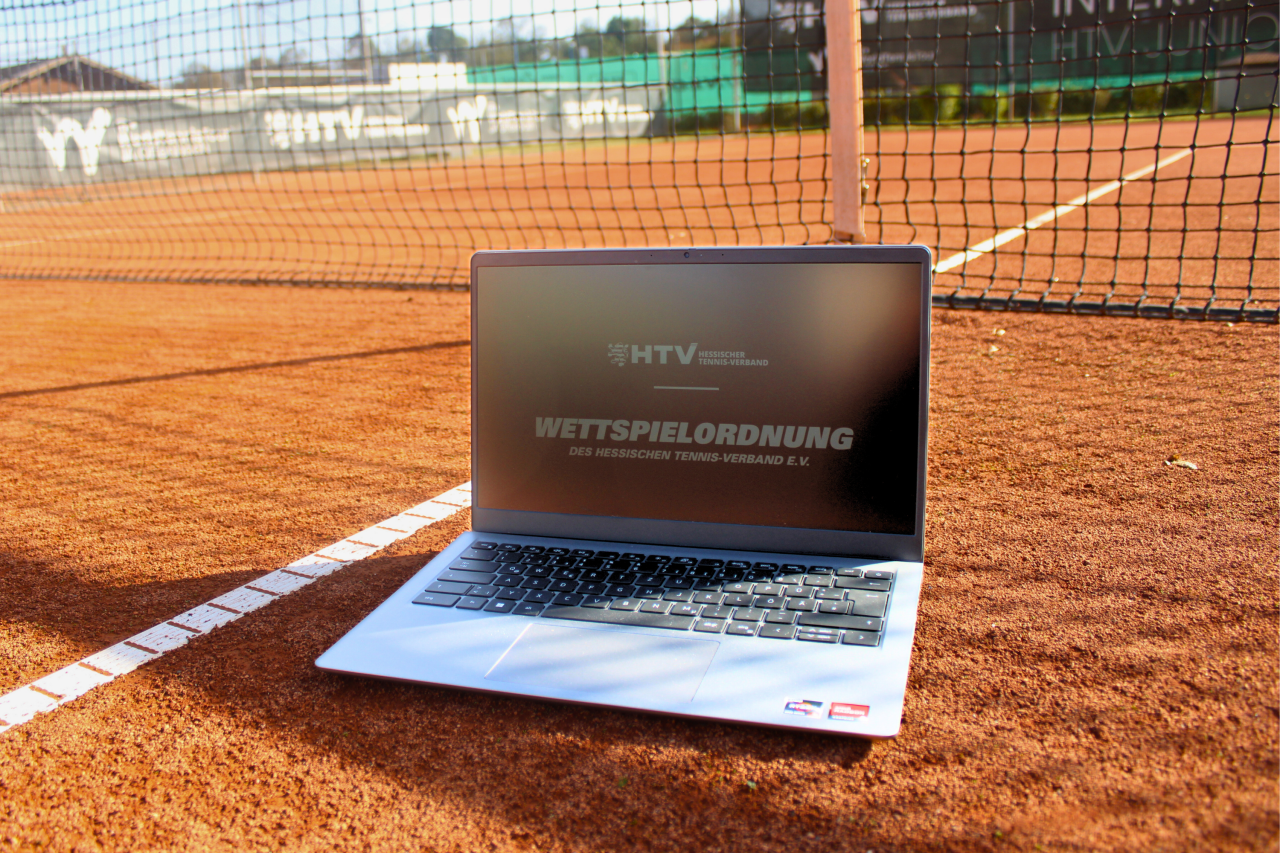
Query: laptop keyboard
777	601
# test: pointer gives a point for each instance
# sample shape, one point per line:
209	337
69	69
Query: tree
197	75
445	44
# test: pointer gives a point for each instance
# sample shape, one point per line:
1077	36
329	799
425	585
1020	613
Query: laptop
698	484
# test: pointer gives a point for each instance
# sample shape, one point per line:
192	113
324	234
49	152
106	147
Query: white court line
980	249
71	682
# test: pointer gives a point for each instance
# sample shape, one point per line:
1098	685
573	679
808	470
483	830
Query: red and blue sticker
838	711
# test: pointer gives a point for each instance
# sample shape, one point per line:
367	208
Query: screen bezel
699	534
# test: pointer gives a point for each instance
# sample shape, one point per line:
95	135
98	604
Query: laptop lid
768	399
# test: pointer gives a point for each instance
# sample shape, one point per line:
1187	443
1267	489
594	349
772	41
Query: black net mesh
1098	156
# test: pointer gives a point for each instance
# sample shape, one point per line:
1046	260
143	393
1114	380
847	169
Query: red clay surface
1209	221
1095	666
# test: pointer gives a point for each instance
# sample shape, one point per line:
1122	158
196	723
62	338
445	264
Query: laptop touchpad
612	665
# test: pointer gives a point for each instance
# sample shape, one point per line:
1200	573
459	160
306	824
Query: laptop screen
783	395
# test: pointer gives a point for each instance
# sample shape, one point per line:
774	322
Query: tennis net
1056	156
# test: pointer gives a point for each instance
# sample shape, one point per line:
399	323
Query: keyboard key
479	591
437	599
510	594
533	549
625	604
806	605
684	609
607	555
678	595
473	554
566	574
595	576
737	564
507	580
748	614
741	629
623	577
780	617
635	558
827	620
768	589
450	588
500	605
864	583
471	602
777	632
649	592
535	583
791	578
684	561
840	607
511	570
563	586
649	580
538	572
817	580
654	607
769	602
738	599
794	567
620	590
583	552
712	611
705	572
867	603
797	591
711	562
849	572
768	567
593	588
568	599
541	596
821	570
709	626
596	601
484	546
829	594
559	552
860	638
466	577
678	583
534	560
878	574
620	617
817	637
507	557
472	566
527	609
738	586
507	546
707	597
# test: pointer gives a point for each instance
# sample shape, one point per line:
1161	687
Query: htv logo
646	353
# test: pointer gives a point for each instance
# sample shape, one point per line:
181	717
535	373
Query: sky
157	39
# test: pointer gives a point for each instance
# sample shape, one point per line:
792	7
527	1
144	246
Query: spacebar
620	617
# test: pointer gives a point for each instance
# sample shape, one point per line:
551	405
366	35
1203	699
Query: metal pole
244	44
844	108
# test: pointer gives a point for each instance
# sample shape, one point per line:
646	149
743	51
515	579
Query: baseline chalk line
980	249
73	681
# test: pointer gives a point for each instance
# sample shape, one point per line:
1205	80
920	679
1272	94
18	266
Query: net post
844	110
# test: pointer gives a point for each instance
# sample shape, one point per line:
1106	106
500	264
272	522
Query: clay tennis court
1206	220
1094	669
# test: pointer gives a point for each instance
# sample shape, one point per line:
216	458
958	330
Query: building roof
80	72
